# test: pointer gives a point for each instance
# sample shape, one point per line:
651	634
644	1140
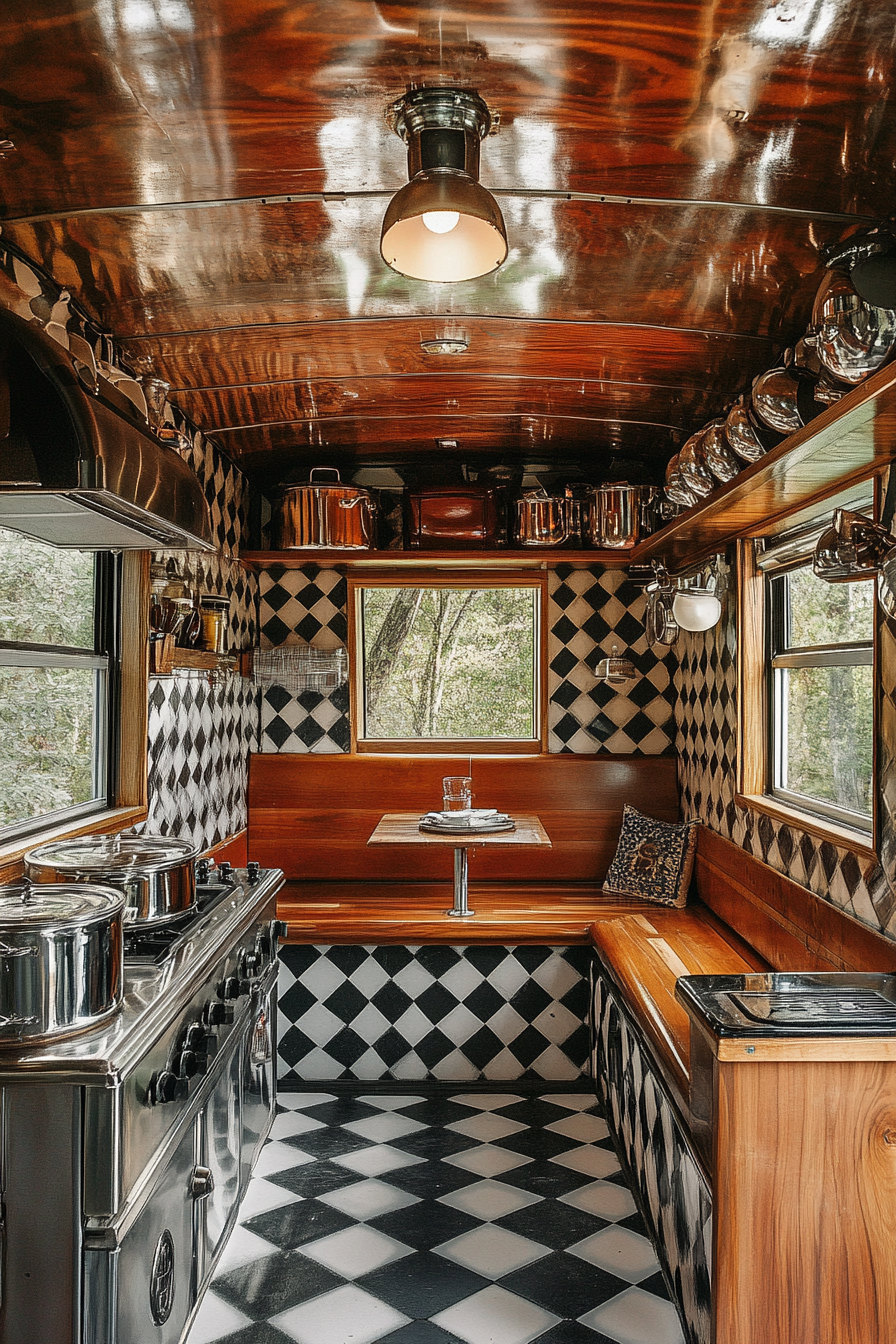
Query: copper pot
542	519
324	516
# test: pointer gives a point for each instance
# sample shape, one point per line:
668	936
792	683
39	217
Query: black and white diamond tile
432	1012
590	611
425	1251
306	605
705	681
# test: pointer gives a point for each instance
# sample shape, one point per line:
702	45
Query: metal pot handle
7	952
314	471
16	1022
359	499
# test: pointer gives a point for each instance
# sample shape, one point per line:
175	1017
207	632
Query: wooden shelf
524	557
165	657
845	444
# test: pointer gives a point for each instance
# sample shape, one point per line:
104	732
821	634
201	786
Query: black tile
341	1111
437	958
315	1178
535	1111
656	1284
427	1224
564	1284
429	1180
346	1002
537	1143
275	1283
436	1002
420	1332
571	1332
422	1284
434	1142
260	1332
484	1001
552	1223
635	1223
548	1179
293	1225
437	1111
329	1142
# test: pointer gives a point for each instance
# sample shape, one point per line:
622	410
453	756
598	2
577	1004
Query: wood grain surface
403	828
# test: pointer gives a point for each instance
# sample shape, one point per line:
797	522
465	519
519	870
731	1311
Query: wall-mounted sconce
443	225
696	605
615	670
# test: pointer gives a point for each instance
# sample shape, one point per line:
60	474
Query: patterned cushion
654	859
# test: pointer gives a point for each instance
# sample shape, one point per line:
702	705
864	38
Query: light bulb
440	221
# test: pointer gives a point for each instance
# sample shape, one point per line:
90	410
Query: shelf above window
518	558
846	443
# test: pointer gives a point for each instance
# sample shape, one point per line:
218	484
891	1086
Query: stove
779	1003
126	1149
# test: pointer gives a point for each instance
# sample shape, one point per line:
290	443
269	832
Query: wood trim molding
841	836
133	755
752	700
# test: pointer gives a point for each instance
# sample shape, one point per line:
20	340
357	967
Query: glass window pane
48	728
449	662
826	730
46	595
828	613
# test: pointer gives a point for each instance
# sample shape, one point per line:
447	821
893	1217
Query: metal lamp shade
614	669
475	245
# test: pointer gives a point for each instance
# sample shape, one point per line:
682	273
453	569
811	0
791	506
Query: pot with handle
324	515
156	873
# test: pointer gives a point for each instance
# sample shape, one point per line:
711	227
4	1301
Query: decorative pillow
653	860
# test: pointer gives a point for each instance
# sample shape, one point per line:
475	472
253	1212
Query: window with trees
57	683
821	695
448	662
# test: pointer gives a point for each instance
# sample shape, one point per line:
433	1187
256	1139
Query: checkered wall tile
306	605
416	1013
706	713
591	610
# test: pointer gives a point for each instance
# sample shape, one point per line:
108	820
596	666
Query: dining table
403	828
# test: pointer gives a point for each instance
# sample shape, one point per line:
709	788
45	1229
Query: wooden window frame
753	751
449	578
131	791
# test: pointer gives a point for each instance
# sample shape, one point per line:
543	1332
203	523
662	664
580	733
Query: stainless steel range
127	1148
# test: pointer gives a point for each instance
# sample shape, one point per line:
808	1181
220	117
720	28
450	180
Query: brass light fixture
443	225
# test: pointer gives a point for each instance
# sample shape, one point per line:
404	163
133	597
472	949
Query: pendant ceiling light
443	225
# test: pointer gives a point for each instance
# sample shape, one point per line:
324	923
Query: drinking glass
457	793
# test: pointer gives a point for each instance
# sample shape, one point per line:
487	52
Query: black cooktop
820	1003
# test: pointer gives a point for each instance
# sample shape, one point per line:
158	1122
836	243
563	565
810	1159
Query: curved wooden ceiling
155	141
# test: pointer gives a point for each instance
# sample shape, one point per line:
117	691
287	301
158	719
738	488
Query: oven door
259	1085
220	1156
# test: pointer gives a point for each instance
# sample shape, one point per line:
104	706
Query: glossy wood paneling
312	815
803	1207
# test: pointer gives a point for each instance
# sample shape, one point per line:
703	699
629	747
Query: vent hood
78	471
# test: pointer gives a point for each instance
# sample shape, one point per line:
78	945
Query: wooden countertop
403	828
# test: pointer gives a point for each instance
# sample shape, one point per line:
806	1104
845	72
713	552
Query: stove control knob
218	1015
202	870
230	988
253	870
196	1038
162	1087
225	871
186	1065
279	929
250	964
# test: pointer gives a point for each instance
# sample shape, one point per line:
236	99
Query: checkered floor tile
471	1218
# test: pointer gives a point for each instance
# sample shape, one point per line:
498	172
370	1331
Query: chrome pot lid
24	905
119	856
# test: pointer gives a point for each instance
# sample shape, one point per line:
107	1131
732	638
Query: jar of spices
215	612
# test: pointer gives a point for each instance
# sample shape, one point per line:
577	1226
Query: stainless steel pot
717	454
542	519
677	488
740	431
775	401
613	516
852	548
61	965
692	465
155	872
852	337
320	516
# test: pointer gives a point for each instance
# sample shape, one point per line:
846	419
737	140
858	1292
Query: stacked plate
471	819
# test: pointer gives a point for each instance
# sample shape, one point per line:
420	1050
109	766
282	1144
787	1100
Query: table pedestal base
460	909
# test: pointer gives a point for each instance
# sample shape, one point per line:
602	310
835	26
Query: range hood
78	471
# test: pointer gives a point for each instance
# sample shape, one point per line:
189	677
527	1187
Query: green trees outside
449	662
46	713
829	749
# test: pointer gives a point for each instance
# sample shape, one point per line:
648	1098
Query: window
57	683
822	695
447	662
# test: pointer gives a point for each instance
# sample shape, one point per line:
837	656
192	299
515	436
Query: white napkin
470	816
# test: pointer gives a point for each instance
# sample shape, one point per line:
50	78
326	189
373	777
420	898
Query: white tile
374	1161
486	1127
460	1025
606	1200
279	1157
461	979
556	975
413	979
290	1123
368	1199
382	1128
554	1063
413	1025
370	1024
455	1068
487	1160
492	1251
508	977
355	1251
485	1101
599	1162
322	978
636	1317
583	1128
620	1251
383	1103
346	1316
319	1024
493	1316
489	1199
216	1319
242	1248
369	977
262	1196
297	1101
